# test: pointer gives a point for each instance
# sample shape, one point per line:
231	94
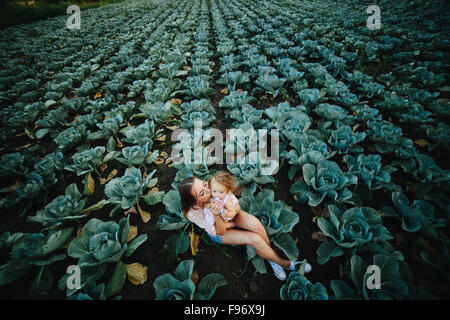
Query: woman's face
201	191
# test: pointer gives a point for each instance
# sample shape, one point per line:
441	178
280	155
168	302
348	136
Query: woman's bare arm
220	225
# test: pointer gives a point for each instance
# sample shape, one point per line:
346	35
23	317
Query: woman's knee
256	241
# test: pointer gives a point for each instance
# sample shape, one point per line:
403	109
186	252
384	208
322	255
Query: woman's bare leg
249	222
240	237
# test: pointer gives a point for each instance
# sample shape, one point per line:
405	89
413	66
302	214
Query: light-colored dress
204	218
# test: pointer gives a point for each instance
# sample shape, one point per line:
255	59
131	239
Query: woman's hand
230	224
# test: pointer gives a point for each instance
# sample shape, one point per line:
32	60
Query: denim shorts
216	238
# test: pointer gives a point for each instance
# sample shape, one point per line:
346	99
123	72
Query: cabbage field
89	197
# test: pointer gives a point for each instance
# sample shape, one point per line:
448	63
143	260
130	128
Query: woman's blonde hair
226	179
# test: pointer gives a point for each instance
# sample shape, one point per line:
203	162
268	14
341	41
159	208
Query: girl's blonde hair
226	179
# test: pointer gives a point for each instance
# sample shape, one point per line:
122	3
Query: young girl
223	186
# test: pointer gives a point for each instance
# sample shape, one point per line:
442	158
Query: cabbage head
126	190
323	180
86	161
368	170
179	286
297	287
350	229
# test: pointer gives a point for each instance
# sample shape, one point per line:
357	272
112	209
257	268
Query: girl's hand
229	215
215	207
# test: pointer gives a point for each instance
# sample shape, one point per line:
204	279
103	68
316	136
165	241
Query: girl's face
201	191
217	189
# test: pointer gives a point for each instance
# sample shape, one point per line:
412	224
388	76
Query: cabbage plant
289	120
159	111
309	97
199	110
325	179
128	189
397	281
198	87
425	169
344	140
12	164
415	216
101	244
86	161
235	99
108	128
270	83
29	250
62	209
174	219
387	136
365	113
350	231
141	135
179	286
233	78
297	287
259	170
137	155
71	137
51	122
332	114
368	170
437	135
277	218
307	148
246	113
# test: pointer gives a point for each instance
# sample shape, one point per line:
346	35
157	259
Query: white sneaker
278	271
308	267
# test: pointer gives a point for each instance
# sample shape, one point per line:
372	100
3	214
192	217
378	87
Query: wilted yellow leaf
103	167
80	232
145	215
22	147
355	127
137	273
164	154
319	236
131	210
144	176
158	161
154	189
169	160
161	138
224	91
176	101
171	127
89	185
421	142
195	277
119	143
98	95
133	233
194	242
111	175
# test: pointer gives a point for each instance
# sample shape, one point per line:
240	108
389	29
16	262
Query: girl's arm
230	209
